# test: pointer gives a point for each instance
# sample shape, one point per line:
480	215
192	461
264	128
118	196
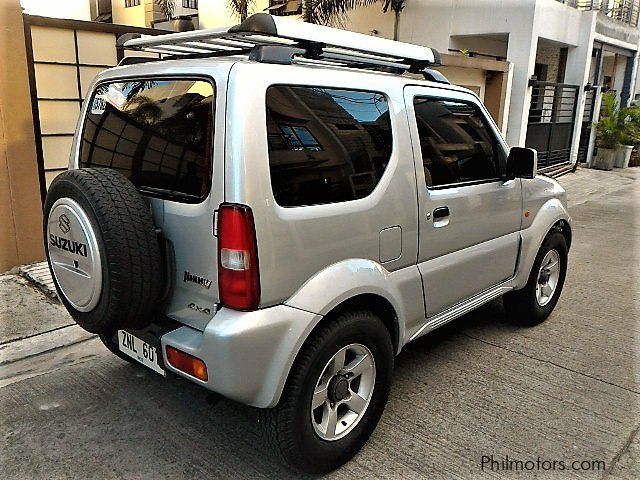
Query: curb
39	275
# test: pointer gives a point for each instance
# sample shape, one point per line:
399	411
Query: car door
469	214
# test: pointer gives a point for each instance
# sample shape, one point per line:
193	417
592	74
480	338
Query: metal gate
552	121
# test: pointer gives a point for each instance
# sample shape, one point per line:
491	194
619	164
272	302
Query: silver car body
384	247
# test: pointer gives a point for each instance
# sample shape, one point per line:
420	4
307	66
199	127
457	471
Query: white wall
560	23
215	13
136	16
428	22
521	21
366	19
128	15
475	43
515	18
472	78
434	22
618	82
636	87
73	9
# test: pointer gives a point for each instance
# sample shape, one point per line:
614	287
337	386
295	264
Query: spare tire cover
74	254
103	249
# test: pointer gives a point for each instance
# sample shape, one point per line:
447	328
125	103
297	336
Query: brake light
238	272
187	363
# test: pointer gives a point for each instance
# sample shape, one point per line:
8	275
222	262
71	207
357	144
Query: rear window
326	145
157	133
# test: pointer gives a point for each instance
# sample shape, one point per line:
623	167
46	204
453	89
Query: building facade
564	53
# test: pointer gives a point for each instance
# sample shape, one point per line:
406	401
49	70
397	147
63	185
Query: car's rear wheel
335	394
535	302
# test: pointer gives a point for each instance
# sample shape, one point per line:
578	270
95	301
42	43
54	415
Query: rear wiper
173	193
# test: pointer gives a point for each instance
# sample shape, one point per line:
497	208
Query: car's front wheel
535	302
335	394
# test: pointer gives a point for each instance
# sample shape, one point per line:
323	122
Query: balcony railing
624	11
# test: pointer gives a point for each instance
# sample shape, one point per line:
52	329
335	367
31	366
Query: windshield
156	132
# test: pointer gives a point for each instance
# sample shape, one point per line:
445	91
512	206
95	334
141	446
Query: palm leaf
617	126
240	8
167	7
331	12
394	5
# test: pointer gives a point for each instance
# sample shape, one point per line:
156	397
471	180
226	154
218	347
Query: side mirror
522	163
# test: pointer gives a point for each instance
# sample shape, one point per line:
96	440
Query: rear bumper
248	354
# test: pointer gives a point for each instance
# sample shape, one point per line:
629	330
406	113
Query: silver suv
274	210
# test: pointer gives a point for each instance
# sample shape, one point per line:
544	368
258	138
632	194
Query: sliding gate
551	121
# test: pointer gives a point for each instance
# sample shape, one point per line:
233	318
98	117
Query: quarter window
326	145
456	142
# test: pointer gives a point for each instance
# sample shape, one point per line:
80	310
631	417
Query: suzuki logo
64	224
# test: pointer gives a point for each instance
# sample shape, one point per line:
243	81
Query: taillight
238	272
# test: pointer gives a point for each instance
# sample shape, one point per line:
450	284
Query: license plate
140	350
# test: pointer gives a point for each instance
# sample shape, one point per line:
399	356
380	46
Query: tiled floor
590	184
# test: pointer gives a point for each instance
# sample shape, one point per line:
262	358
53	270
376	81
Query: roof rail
260	34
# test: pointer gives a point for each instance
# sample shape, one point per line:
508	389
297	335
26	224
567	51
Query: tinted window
456	142
157	133
326	145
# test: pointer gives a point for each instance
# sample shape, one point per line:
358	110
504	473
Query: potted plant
623	155
182	23
634	161
610	133
630	119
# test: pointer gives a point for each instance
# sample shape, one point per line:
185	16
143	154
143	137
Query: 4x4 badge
199	309
64	224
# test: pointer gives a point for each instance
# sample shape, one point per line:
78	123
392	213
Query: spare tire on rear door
103	249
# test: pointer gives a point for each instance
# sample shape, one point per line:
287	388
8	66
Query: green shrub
617	126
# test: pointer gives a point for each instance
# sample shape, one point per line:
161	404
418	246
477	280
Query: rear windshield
157	133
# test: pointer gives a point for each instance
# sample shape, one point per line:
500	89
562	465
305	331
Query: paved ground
566	390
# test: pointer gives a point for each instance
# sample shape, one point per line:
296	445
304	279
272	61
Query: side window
457	144
326	145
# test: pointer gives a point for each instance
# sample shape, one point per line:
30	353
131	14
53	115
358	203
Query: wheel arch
553	216
564	228
375	303
359	284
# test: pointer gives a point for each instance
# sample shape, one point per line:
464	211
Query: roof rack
270	39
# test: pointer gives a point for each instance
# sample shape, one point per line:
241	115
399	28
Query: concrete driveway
476	391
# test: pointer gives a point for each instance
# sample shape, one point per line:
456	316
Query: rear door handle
440	212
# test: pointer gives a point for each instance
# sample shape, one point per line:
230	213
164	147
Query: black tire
288	427
522	306
127	242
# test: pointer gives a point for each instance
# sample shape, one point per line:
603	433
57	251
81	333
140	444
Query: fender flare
349	278
551	212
